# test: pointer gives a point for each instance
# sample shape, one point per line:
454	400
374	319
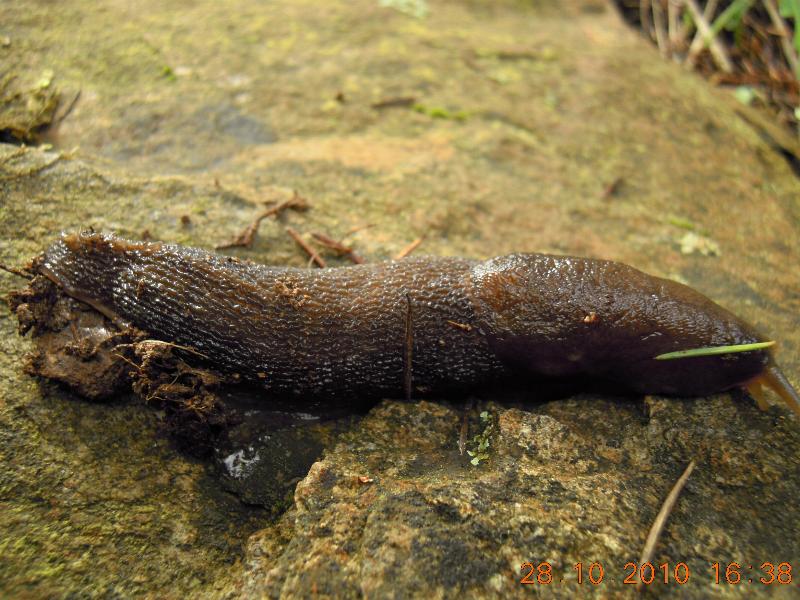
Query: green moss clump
481	442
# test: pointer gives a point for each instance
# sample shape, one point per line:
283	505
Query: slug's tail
89	266
773	378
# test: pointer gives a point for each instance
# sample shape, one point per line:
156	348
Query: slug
419	325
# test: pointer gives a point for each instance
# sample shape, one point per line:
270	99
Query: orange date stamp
718	573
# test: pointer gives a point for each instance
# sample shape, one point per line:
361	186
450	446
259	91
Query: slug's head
729	363
566	316
690	345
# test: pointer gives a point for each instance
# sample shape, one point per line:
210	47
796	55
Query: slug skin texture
347	330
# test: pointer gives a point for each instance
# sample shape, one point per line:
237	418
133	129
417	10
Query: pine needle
714	350
663	515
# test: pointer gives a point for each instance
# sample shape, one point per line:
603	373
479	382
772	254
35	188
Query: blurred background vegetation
752	45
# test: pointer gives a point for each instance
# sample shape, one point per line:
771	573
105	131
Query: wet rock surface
394	510
544	128
269	447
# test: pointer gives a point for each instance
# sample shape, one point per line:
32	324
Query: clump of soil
193	412
98	359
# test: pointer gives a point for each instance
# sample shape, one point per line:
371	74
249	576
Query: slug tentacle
431	324
756	390
777	381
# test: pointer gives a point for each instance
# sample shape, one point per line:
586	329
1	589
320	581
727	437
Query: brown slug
420	324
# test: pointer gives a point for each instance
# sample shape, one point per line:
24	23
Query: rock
556	489
27	108
526	114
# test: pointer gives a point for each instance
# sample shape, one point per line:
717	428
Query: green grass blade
731	16
795	4
714	350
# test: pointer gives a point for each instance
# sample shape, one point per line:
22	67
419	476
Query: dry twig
15	271
57	120
698	42
785	35
644	16
398	102
661	33
313	255
338	247
718	51
408	249
677	32
612	188
248	234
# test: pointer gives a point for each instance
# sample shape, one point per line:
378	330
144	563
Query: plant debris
338	247
397	102
313	254
612	189
661	519
408	249
742	43
247	235
714	350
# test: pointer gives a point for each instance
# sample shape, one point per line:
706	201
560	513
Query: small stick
338	247
400	101
718	52
698	42
313	255
663	515
127	360
248	234
676	31
785	35
661	33
68	110
178	346
644	16
245	237
163	343
408	249
612	188
409	350
16	271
